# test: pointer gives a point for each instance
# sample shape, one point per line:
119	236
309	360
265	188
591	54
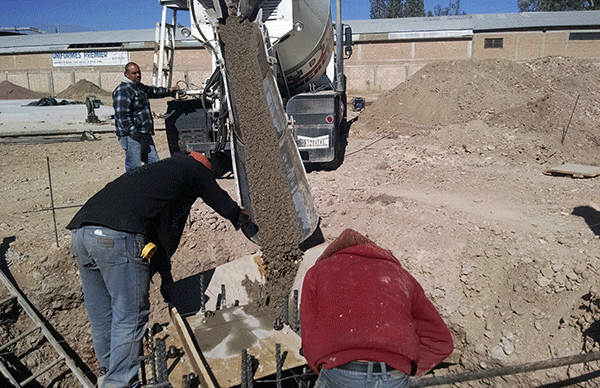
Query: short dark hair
129	64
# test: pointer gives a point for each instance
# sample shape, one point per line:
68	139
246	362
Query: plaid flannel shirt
132	108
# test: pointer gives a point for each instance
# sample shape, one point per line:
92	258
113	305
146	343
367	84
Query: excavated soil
83	88
76	92
10	91
272	205
446	171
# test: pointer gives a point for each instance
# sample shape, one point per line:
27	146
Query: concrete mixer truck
303	90
310	80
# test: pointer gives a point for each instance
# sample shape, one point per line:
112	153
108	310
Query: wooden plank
575	170
191	350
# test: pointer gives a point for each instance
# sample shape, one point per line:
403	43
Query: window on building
493	43
584	36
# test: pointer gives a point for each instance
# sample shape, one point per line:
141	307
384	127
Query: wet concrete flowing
274	213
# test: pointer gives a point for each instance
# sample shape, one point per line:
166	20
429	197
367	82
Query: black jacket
155	200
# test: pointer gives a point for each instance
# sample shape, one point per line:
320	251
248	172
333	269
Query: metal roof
130	39
528	20
461	26
498	21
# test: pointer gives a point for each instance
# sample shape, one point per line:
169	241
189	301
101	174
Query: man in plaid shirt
133	117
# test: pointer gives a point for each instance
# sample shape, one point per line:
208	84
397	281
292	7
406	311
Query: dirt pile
274	211
10	91
81	89
536	97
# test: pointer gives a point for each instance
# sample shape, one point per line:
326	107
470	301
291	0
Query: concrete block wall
522	46
378	64
35	71
584	49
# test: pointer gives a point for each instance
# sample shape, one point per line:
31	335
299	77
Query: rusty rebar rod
564	134
506	370
52	200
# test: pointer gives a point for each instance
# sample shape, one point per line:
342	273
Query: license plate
313	142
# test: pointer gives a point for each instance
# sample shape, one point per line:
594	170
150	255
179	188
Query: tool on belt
148	251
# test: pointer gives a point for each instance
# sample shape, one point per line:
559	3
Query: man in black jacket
109	233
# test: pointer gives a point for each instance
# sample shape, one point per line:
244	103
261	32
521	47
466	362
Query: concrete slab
222	338
237	325
575	170
241	278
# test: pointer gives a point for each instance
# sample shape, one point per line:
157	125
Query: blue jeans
138	151
116	283
341	378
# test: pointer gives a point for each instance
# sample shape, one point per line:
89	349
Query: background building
386	51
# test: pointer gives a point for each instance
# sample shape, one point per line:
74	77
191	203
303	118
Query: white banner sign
90	58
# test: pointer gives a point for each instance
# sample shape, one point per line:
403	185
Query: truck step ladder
164	45
43	327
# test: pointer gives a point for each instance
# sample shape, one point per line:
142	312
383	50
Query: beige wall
584	49
35	71
521	46
376	65
380	66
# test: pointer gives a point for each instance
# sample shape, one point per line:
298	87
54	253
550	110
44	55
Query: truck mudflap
319	127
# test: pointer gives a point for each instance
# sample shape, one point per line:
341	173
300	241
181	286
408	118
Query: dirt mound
10	91
500	92
445	93
535	99
80	90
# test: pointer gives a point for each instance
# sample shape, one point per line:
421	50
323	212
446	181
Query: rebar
52	200
285	314
278	365
244	383
564	134
202	291
223	298
160	355
507	370
249	374
294	320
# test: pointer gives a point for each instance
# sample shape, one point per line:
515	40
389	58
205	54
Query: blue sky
104	15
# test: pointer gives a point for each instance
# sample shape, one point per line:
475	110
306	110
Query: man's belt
363	366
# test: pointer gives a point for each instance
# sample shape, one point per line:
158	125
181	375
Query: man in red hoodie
366	322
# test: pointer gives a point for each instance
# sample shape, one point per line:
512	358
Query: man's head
348	238
201	158
132	71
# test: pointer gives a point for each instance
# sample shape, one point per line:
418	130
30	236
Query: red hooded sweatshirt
358	303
